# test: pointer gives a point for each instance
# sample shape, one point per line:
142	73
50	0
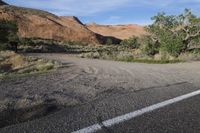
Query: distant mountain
118	31
40	24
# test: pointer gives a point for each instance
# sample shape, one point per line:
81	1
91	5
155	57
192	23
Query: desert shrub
12	64
124	55
3	46
149	47
132	42
26	41
171	44
39	45
190	56
94	55
45	66
109	41
79	43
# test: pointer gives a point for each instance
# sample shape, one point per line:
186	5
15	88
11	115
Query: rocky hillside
118	31
40	24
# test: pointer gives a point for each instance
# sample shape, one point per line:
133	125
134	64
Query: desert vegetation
170	39
173	35
12	63
15	64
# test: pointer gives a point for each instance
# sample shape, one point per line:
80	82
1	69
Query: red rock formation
118	31
40	24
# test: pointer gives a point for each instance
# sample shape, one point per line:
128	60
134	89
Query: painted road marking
131	115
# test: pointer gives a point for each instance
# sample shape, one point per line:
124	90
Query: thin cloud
91	7
72	7
111	11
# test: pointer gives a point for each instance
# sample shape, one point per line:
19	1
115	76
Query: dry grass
16	64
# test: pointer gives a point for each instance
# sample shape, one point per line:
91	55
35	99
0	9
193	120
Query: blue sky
111	11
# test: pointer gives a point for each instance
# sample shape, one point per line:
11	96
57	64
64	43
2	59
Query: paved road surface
110	89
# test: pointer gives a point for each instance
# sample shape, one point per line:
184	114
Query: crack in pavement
154	87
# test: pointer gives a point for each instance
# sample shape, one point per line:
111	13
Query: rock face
40	24
118	31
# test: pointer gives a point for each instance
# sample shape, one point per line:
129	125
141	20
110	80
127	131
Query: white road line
136	113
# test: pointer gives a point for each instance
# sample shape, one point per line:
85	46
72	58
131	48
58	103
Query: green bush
4	46
109	41
171	44
132	42
149	47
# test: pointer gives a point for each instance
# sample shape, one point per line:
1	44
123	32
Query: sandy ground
86	79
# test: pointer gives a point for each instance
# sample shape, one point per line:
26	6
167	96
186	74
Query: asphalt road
137	86
183	116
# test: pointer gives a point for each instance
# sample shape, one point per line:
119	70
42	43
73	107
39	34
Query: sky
111	11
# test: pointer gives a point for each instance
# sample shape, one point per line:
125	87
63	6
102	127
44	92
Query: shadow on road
11	116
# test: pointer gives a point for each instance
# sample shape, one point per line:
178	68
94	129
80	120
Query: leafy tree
175	34
190	29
